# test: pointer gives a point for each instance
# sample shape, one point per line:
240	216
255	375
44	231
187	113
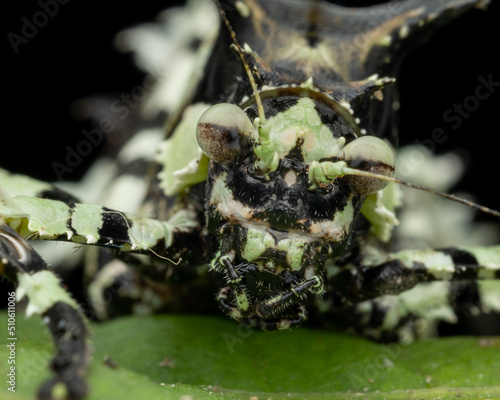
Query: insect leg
22	264
283	300
418	312
404	270
409	293
46	219
237	289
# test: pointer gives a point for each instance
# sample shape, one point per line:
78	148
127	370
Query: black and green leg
402	271
412	292
60	313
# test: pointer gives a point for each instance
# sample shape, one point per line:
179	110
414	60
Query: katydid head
274	203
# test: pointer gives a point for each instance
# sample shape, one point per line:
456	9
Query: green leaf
200	357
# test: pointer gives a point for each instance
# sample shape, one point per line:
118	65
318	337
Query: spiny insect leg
404	270
270	306
46	219
22	264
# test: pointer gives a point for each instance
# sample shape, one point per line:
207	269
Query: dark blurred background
73	56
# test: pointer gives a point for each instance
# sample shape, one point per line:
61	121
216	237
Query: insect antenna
241	53
352	171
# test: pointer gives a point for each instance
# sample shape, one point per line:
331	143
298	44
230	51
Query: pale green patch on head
385	40
294	246
223	198
44	290
282	131
336	230
258	241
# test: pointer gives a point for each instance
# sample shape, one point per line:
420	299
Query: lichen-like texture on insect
273	186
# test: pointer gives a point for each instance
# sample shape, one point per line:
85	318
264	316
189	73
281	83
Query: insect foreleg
44	219
22	264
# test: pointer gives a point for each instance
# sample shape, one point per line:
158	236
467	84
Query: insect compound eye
370	154
222	131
